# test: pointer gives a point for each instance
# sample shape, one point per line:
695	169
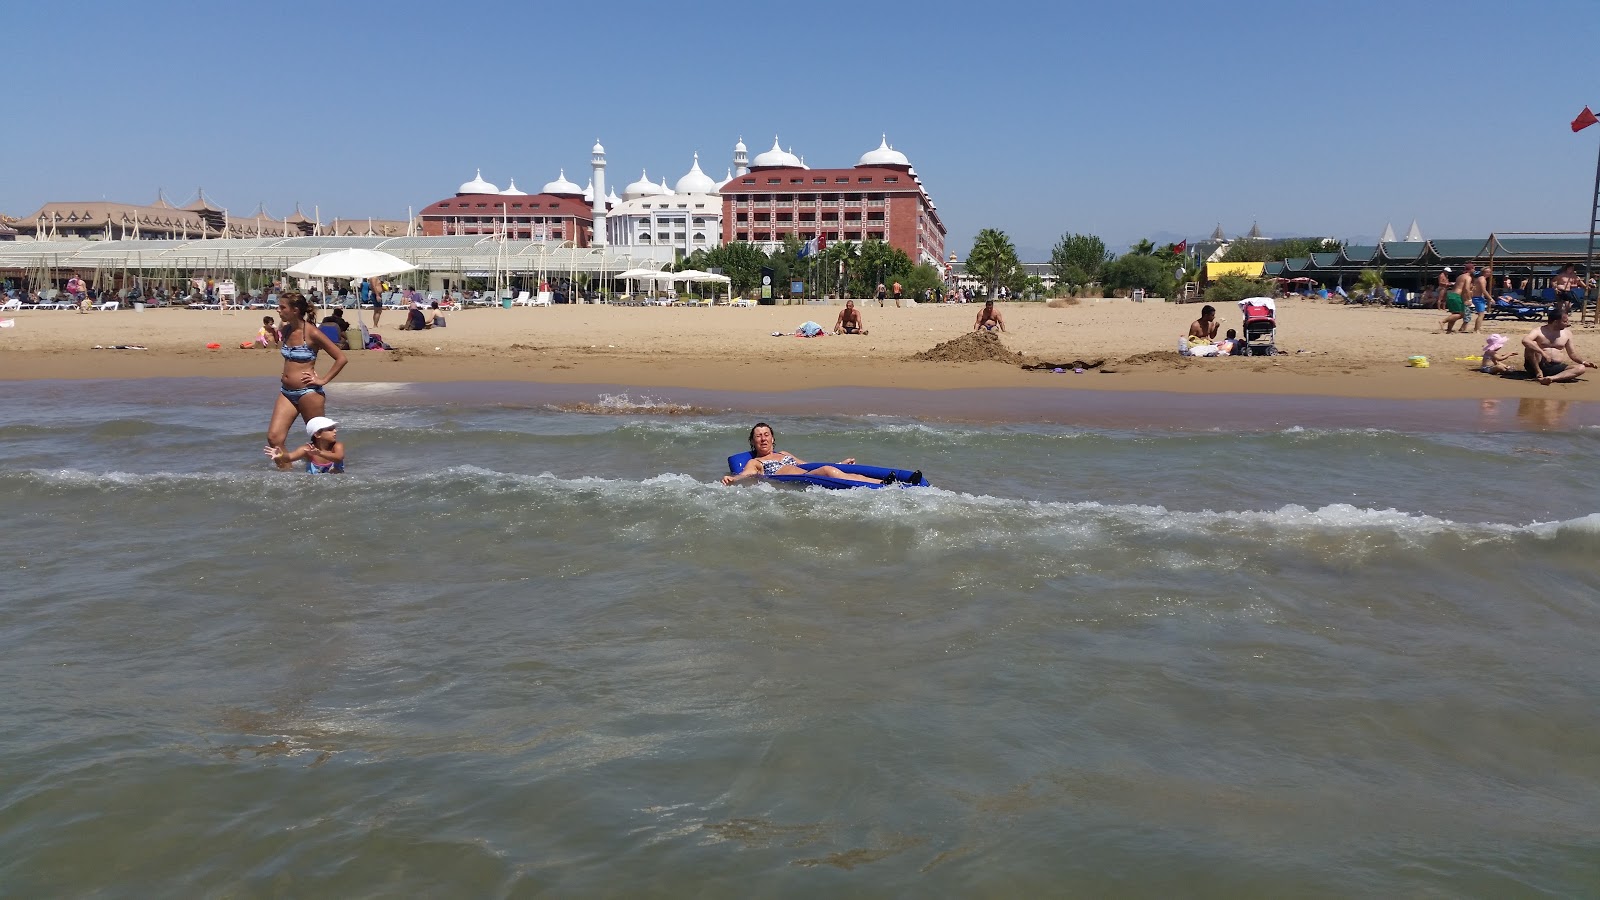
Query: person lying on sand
850	320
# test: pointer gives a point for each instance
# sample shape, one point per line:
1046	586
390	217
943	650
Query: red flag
1584	120
1181	247
822	242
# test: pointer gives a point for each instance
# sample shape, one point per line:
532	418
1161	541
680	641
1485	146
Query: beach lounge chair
12	305
541	299
523	299
1260	329
742	301
108	306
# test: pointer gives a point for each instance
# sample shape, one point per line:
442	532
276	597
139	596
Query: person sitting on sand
766	461
267	334
1544	344
1496	358
850	321
415	320
438	317
1230	345
337	320
989	318
1205	327
323	455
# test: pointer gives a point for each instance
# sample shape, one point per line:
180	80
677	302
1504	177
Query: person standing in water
300	387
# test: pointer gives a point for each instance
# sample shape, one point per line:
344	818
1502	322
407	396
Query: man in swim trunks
371	297
1480	295
1544	344
1205	327
1565	282
989	318
849	321
1455	302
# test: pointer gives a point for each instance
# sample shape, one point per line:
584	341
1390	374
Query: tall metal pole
1588	263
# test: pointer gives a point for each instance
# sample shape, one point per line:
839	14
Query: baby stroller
1260	328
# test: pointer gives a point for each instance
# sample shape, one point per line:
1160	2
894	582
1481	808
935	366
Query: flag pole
1589	303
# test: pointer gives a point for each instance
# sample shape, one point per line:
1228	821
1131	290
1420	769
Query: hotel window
748	181
774	181
742	217
741	236
481	205
821	179
874	217
785	217
891	178
763	217
842	179
865	179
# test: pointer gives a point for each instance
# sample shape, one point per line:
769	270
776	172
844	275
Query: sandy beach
1332	349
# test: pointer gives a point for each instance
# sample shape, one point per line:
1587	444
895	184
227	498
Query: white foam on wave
627	403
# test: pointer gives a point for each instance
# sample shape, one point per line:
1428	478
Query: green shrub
1231	289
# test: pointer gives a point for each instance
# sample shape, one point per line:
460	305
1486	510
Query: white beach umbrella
644	275
350	264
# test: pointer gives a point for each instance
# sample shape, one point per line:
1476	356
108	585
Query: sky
1125	120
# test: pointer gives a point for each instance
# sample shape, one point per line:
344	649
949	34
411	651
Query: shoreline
1131	410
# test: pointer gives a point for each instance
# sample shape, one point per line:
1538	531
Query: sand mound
976	346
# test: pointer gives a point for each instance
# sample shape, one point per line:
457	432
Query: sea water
1129	645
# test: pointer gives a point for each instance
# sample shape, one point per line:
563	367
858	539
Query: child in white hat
323	455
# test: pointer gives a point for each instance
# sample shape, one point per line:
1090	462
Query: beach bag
810	329
375	341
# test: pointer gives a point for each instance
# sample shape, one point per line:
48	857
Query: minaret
597	160
741	158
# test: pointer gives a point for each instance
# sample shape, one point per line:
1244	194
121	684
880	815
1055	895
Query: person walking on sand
1455	301
1543	346
1480	296
881	293
897	295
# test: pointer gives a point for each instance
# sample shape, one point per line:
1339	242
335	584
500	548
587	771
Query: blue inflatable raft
736	464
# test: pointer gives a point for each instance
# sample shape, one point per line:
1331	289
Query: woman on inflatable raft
766	461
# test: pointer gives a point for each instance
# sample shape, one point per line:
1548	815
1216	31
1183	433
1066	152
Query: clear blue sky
1120	119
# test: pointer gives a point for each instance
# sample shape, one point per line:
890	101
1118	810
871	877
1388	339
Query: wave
679	494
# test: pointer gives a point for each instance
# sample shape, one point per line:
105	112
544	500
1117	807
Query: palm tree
1143	248
841	257
993	259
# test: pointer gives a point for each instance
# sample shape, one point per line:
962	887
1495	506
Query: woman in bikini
766	461
300	390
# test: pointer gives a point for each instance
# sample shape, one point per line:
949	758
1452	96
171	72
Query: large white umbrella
350	264
645	275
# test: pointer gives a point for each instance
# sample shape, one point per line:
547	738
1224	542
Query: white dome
597	148
641	188
477	186
512	190
588	192
562	186
777	156
663	189
724	182
611	197
740	147
696	182
884	156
